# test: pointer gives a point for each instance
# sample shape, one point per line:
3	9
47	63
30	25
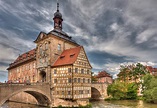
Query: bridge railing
23	84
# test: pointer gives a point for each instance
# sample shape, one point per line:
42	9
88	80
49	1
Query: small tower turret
57	19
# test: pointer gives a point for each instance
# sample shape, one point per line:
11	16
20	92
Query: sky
113	32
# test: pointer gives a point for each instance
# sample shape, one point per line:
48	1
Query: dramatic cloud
113	32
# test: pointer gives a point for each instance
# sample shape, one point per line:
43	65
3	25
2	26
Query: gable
83	59
40	37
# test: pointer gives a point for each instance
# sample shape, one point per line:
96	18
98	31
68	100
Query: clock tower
58	19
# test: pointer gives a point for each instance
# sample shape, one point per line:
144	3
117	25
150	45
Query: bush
122	91
60	106
150	89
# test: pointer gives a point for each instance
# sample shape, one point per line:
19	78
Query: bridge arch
95	93
39	95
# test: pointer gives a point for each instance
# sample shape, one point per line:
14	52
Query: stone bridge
99	90
41	92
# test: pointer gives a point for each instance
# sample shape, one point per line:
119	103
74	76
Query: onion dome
58	14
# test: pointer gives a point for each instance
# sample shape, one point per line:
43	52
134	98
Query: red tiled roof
24	57
68	56
151	69
103	74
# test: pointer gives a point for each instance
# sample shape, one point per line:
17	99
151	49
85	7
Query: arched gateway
42	76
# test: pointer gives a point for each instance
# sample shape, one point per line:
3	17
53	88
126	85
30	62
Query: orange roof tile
25	55
103	74
67	57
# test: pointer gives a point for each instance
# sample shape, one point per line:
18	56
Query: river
95	104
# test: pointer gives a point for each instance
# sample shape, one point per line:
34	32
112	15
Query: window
78	80
69	92
55	80
75	80
57	92
55	71
82	71
83	80
75	92
87	71
88	80
69	80
69	70
61	57
33	78
81	91
71	55
76	70
62	92
59	47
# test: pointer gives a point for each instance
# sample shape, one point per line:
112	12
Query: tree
122	90
132	72
150	88
138	71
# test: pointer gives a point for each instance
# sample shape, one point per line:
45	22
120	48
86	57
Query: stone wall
68	103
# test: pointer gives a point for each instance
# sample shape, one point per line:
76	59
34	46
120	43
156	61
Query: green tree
132	91
138	71
150	88
132	72
122	90
123	73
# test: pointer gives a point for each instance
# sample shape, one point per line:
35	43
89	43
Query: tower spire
57	18
57	6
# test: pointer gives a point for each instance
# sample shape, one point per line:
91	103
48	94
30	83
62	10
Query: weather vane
57	6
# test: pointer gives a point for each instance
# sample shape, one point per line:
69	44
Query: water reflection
95	104
123	104
19	105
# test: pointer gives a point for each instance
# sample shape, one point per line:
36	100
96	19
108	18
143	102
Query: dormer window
61	57
71	55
